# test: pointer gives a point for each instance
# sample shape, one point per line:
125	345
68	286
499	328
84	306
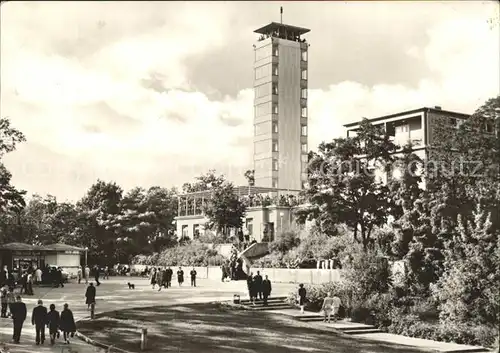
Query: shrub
192	254
272	260
285	241
412	326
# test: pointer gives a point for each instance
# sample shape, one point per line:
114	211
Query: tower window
275	70
275	164
303	147
303	130
303	74
275	88
304	55
275	146
304	112
275	108
303	93
275	183
275	51
489	128
275	127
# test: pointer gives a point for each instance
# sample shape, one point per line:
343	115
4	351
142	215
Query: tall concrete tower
280	107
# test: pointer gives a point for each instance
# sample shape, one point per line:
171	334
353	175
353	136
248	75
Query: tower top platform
283	31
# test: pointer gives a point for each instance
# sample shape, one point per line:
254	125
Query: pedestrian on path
164	279
327	307
159	276
106	273
11	299
266	289
38	276
53	323
79	275
302	297
180	276
250	287
96	275
169	273
39	320
29	286
19	313
193	277
258	285
4	291
67	323
90	295
153	277
87	274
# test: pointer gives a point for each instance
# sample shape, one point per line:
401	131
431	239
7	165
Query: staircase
347	327
273	303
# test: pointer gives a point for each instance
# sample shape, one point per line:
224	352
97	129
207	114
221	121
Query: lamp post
86	251
282	214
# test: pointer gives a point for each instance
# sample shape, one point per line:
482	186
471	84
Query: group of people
30	276
84	273
41	318
163	277
259	288
331	303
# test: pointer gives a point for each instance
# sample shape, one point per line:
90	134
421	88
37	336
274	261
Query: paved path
428	345
113	294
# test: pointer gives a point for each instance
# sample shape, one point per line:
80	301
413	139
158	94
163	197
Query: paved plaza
113	294
185	319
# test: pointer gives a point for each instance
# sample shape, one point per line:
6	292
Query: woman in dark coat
67	323
90	295
302	297
153	277
53	323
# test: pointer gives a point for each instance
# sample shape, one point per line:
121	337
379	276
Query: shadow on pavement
213	328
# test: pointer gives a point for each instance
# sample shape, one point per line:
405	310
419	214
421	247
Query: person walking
159	276
170	273
106	273
96	275
4	291
87	274
180	276
193	277
19	313
258	285
223	272
90	295
164	278
302	297
38	276
39	320
29	285
79	275
24	283
250	286
11	299
266	289
153	277
53	323
67	323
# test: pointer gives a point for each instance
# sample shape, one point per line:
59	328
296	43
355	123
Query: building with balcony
416	126
269	211
280	114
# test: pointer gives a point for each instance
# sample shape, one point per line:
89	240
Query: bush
412	326
285	242
192	254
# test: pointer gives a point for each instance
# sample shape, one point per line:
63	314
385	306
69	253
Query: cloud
129	94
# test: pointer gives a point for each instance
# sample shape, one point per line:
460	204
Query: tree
224	209
468	290
342	185
250	176
205	182
11	200
98	222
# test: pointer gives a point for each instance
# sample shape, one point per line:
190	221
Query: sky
156	93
